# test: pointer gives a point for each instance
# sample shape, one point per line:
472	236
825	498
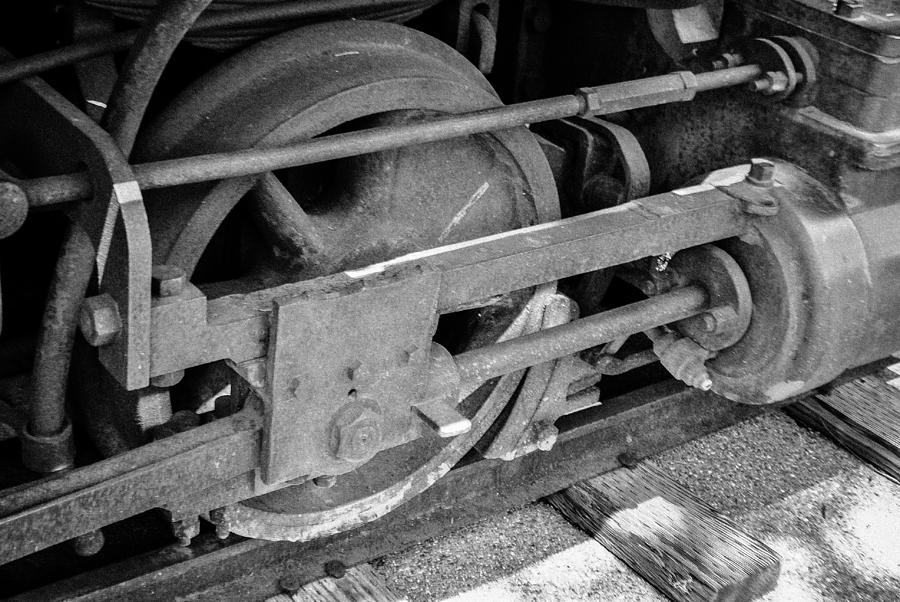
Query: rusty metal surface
678	87
642	423
348	364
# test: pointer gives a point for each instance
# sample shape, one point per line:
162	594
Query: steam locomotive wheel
241	234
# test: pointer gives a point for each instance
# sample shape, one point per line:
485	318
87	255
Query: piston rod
479	365
600	100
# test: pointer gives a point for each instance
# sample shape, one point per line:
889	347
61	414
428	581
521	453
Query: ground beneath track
834	521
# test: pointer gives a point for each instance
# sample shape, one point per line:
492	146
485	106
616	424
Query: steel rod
480	365
203	168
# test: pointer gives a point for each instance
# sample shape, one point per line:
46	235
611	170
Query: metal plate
341	347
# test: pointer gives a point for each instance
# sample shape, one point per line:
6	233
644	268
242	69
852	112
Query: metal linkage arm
188	330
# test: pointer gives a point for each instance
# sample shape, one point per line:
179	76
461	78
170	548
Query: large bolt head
167	280
762	172
99	320
357	437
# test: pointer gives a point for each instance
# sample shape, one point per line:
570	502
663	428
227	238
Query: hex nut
167	280
99	320
357	438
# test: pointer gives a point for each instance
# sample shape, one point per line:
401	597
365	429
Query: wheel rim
406	75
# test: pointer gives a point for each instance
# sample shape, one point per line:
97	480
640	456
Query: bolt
89	543
762	172
290	584
99	320
771	83
225	405
219	518
164	381
325	481
167	280
358	438
705	383
335	569
186	529
849	9
13	208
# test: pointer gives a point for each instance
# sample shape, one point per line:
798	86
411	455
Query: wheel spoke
284	218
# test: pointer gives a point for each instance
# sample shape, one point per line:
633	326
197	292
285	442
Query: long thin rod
479	365
203	168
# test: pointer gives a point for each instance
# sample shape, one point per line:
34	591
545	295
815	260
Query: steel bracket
347	359
114	220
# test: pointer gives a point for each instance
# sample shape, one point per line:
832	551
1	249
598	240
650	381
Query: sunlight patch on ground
583	572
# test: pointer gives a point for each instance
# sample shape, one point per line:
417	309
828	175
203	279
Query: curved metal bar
75	266
51	363
154	46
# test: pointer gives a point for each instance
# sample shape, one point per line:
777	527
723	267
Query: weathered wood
673	540
862	415
360	584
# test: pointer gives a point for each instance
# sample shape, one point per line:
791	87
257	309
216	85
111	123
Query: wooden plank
676	542
360	584
862	415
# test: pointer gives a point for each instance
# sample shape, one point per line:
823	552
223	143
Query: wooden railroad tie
676	542
862	415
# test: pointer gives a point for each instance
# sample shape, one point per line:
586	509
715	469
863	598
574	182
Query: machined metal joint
48	454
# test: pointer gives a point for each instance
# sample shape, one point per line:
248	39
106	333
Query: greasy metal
676	87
